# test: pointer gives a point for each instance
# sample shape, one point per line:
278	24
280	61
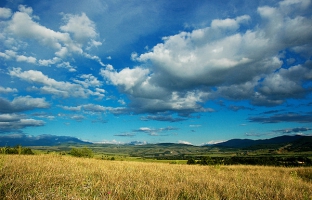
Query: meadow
53	176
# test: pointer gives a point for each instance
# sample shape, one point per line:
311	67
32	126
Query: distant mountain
41	140
255	144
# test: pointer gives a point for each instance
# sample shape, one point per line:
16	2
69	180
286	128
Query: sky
144	71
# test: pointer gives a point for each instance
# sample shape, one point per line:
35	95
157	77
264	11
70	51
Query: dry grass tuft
64	177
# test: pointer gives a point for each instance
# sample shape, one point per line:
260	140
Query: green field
172	153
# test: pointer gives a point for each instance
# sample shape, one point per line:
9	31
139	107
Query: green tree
206	160
82	152
27	151
191	161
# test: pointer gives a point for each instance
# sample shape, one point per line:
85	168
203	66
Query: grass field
64	177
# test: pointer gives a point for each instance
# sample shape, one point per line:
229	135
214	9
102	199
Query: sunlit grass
65	177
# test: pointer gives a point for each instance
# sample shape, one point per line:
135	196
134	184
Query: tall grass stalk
65	177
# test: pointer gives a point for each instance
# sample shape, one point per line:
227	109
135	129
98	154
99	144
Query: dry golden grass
64	177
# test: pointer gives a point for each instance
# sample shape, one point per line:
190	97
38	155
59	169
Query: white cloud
88	81
301	3
189	68
184	142
23	58
122	102
25	9
48	62
71	108
23	26
67	66
213	142
62	52
10	54
78	118
81	27
7	90
286	83
13	122
153	131
5	13
229	23
22	103
96	58
76	35
126	78
93	108
29	102
9	117
51	86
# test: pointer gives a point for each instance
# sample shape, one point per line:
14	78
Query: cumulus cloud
11	122
51	86
102	109
10	54
5	13
147	96
78	118
222	60
94	108
67	65
286	83
229	23
88	80
22	103
7	90
76	35
71	108
153	131
22	25
10	118
126	78
80	26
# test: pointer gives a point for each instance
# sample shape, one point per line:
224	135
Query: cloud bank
229	59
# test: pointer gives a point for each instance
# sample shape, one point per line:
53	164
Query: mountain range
41	140
290	142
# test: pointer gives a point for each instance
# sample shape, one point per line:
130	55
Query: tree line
292	161
16	150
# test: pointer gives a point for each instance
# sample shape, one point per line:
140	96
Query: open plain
53	176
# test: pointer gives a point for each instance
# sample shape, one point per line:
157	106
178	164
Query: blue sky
186	71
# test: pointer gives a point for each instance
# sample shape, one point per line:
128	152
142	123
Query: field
52	176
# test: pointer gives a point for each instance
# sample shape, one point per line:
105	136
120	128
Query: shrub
206	160
82	152
27	151
191	161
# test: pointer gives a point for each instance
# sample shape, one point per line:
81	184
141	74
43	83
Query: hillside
297	142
